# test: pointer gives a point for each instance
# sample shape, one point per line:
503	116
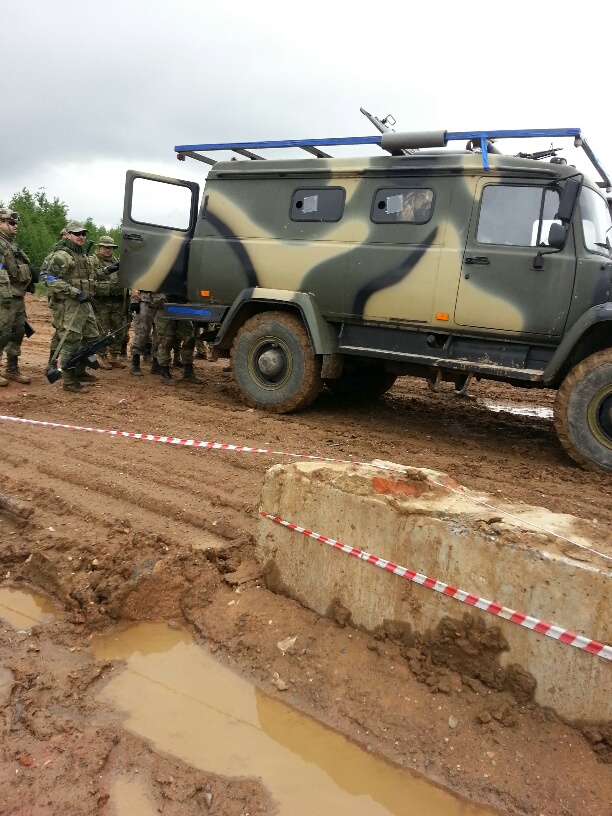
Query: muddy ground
117	537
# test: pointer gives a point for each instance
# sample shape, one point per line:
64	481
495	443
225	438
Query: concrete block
487	548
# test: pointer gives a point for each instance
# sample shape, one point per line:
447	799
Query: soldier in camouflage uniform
69	276
169	332
15	281
144	306
109	300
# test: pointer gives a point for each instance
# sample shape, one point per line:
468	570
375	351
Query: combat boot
135	369
71	383
83	375
190	375
115	362
12	370
167	378
104	363
155	366
3	381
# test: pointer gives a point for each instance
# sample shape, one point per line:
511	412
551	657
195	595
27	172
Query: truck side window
510	215
595	218
402	206
317	204
160	204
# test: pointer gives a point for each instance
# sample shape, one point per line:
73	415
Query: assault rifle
86	355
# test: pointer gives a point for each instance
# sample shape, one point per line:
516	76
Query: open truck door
159	218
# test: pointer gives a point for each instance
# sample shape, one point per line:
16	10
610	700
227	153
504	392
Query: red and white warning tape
177	440
529	622
195	443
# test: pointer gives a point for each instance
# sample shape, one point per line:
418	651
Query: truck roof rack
401	143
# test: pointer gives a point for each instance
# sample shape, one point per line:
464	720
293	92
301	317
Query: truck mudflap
600	314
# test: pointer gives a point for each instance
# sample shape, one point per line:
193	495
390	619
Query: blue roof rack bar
312	145
347	140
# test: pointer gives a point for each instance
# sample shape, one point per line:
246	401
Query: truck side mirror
568	200
557	235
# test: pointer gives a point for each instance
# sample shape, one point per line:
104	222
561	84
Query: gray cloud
120	83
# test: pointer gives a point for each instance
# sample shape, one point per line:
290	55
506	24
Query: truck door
500	287
159	217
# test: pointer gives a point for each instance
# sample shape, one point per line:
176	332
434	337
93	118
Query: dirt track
127	530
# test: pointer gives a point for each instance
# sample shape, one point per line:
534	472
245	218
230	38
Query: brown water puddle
129	797
22	609
177	696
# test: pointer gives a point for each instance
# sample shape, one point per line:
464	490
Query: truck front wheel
583	412
274	364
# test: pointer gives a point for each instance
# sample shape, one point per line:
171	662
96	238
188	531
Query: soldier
144	306
168	333
15	281
69	276
109	300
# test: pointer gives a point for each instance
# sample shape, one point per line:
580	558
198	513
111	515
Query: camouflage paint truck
422	261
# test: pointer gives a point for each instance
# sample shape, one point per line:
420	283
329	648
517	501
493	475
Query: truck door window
516	216
317	204
407	206
596	223
160	204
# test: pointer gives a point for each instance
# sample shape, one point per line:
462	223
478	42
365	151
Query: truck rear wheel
274	364
363	383
583	412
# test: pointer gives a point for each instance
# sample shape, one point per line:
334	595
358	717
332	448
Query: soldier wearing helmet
110	300
15	279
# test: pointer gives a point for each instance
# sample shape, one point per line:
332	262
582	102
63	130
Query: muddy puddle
520	410
176	695
23	609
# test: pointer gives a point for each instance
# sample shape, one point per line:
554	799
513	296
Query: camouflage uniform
15	281
143	326
172	334
109	301
69	276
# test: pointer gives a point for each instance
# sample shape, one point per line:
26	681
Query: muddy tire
583	412
367	383
274	364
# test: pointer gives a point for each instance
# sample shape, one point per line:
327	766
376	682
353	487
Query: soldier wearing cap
15	281
69	277
109	300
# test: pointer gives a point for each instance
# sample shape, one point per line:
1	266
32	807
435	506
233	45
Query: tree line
41	221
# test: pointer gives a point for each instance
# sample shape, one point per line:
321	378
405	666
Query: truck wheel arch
256	301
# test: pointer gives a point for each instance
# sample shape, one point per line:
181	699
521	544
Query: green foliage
41	221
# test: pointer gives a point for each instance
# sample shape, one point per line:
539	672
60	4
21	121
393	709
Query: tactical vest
107	285
17	266
73	267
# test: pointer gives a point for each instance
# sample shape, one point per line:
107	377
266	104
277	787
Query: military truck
426	261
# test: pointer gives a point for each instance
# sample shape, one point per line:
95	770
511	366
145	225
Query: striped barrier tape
195	443
549	629
529	622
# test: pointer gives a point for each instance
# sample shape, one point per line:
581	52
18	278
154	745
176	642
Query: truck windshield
596	222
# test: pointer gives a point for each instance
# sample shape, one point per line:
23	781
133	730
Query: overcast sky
91	89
